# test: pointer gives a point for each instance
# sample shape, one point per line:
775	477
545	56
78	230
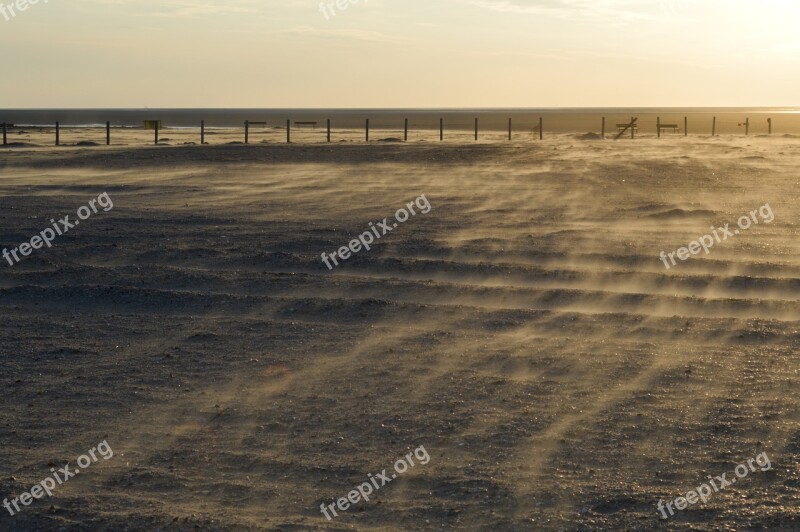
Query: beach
179	126
525	330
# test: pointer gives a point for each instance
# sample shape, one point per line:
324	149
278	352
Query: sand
524	331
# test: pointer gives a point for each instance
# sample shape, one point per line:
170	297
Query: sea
700	121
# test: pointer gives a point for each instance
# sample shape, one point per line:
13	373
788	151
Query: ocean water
567	120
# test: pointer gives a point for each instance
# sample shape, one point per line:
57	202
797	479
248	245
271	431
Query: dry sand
524	331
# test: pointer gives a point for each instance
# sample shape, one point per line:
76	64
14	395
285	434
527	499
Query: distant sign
152	124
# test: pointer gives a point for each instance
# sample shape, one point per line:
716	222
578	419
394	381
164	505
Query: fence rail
632	126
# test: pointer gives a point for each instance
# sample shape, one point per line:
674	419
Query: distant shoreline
573	120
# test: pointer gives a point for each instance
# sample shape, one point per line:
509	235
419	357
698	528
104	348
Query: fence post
367	129
247	132
603	134
288	131
747	127
509	129
441	129
5	135
769	121
658	125
156	131
58	136
685	126
476	128
329	130
541	128
202	132
405	131
714	127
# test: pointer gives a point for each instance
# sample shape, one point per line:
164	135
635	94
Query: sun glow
557	53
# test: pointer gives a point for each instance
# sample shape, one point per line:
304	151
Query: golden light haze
409	53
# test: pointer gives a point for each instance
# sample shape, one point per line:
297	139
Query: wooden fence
631	126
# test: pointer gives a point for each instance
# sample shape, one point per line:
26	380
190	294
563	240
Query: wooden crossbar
627	127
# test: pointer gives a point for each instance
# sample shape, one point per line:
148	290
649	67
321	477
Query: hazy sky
401	53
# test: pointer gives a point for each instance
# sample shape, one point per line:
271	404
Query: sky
399	53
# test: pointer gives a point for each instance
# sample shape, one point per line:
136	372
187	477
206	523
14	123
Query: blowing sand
524	332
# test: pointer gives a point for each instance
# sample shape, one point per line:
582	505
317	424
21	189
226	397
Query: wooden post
156	131
288	132
714	127
405	131
329	130
633	127
685	126
367	129
5	135
509	129
747	127
202	132
441	129
769	121
247	132
658	125
541	128
603	134
58	136
476	128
